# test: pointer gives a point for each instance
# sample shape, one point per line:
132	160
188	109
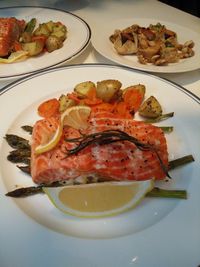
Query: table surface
101	12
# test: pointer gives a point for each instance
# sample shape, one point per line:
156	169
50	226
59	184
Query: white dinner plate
78	37
101	42
158	232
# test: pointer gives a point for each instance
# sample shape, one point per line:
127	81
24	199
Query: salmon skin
115	161
10	31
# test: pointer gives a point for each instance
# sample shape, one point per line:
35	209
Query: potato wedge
42	29
53	43
50	25
33	48
108	90
150	108
65	103
60	31
82	89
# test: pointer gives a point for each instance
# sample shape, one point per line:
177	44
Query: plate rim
88	40
12	84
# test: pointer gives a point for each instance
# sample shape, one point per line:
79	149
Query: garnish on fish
109	137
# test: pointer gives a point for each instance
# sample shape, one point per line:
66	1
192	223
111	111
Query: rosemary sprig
112	136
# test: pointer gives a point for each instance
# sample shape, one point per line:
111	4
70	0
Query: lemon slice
15	56
75	117
99	199
51	143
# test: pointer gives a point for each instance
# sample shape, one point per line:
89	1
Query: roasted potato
50	25
82	89
42	30
150	108
108	90
33	48
65	103
60	31
52	43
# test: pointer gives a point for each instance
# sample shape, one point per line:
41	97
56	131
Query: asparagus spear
30	25
27	128
26	168
158	192
17	142
31	190
19	156
160	118
167	129
25	191
180	161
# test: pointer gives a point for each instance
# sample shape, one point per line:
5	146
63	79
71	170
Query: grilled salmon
10	30
114	161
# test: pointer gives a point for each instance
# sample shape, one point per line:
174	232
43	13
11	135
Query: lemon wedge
15	56
75	117
98	199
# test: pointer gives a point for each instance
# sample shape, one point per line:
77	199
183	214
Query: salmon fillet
10	30
115	161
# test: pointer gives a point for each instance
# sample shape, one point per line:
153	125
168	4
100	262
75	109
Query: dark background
189	6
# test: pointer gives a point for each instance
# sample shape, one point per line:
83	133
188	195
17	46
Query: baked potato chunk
150	108
33	48
53	43
83	89
42	30
60	31
108	90
65	103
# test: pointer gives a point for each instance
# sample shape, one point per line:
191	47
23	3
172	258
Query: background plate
78	37
32	228
104	46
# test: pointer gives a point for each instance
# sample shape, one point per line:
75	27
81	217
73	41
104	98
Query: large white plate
78	37
101	42
159	232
